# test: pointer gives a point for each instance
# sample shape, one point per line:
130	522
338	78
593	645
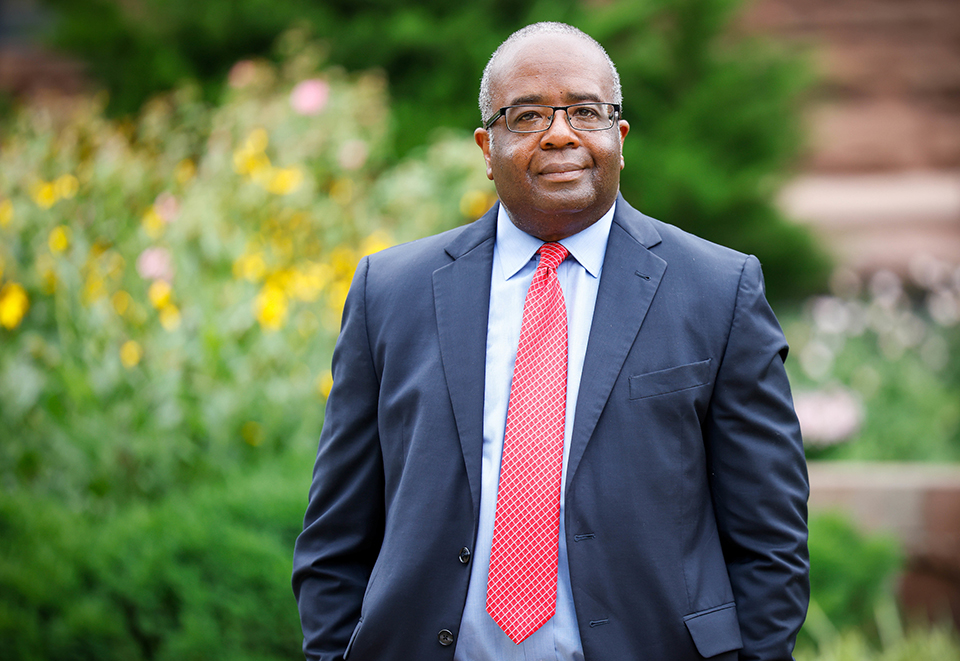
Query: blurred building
881	177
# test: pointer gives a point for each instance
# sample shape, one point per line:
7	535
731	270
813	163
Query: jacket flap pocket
669	380
715	631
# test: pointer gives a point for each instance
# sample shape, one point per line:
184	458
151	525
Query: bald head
501	59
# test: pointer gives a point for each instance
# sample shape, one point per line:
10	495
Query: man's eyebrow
573	97
529	98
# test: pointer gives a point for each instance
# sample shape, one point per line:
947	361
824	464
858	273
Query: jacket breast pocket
670	380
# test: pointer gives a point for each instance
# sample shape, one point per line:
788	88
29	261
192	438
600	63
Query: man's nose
560	133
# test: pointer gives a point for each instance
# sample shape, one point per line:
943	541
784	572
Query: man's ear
624	128
482	136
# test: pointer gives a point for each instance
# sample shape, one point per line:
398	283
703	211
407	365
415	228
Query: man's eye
530	116
587	112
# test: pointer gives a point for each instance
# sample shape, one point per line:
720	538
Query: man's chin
564	202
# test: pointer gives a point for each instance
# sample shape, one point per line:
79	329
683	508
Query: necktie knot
551	254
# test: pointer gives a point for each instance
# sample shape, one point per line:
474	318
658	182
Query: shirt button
445	637
464	555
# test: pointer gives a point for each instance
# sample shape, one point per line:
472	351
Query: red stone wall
880	181
890	97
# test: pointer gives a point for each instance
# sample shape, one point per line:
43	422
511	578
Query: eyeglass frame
503	113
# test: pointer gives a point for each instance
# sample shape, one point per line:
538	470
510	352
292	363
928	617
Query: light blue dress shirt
514	262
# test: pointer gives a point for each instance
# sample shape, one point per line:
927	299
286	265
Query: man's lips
561	171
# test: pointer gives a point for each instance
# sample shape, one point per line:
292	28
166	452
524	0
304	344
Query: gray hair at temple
486	98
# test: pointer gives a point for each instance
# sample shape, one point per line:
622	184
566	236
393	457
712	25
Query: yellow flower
59	239
375	243
282	245
13	305
318	275
344	261
66	186
257	140
474	203
130	354
184	171
250	267
252	433
170	317
93	288
44	193
121	302
6	213
270	307
325	384
306	285
338	296
255	164
285	180
159	293
153	223
282	280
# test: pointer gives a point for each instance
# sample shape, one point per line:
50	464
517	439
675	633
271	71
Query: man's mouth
561	171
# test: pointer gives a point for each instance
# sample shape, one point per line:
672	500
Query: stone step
918	504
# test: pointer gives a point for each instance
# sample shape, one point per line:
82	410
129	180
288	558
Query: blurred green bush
714	116
853	614
197	575
852	575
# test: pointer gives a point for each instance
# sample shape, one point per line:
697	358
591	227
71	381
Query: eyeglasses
537	118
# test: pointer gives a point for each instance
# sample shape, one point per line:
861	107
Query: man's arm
759	478
343	525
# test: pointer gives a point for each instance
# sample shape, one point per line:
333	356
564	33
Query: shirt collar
587	246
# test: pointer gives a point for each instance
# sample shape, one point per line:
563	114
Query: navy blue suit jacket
686	485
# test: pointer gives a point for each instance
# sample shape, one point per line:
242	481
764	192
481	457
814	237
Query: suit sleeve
759	478
343	525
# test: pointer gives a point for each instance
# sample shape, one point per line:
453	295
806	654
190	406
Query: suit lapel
461	293
630	279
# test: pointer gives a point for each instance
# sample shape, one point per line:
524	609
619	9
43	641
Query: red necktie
522	583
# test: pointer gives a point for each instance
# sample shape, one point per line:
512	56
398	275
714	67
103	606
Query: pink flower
242	74
828	416
310	96
155	264
167	207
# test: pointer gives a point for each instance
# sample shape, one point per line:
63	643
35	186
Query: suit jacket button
464	555
445	637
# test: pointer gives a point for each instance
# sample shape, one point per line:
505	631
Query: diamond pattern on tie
522	582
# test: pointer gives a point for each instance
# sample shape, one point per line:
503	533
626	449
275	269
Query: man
563	431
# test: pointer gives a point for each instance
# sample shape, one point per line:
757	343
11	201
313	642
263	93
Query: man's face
560	181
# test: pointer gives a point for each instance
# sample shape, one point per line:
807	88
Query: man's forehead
539	47
537	54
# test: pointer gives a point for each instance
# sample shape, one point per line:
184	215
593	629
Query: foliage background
173	266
